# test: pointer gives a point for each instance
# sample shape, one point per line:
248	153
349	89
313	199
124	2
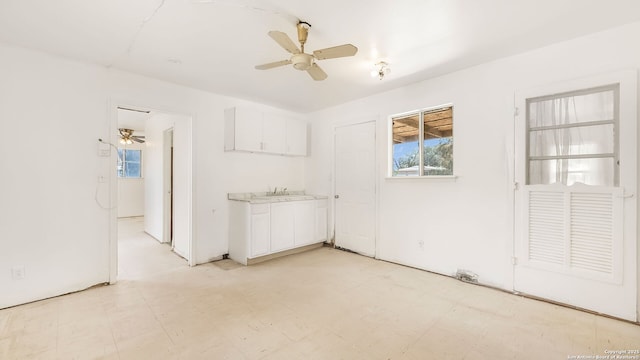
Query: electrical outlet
17	272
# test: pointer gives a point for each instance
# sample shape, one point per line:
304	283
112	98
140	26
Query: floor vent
467	276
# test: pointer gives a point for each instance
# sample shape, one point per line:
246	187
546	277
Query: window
572	138
129	163
423	138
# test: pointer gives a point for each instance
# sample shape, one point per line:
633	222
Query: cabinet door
260	224
282	226
304	222
273	134
321	220
296	137
248	129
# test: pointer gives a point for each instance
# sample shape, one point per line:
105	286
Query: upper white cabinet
296	137
251	130
243	129
274	131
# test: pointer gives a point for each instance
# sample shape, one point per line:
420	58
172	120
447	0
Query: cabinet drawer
259	209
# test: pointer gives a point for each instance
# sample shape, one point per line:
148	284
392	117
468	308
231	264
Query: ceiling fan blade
273	64
137	139
285	41
335	52
316	72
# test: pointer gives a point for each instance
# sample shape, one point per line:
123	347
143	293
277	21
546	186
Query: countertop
264	197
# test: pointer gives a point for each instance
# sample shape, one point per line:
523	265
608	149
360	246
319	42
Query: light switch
104	150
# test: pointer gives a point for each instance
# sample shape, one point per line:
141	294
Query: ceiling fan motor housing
302	61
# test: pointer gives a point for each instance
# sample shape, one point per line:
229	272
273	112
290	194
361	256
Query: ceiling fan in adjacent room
127	137
302	60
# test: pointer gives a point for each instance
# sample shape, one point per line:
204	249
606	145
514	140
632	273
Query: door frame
627	79
167	187
112	111
376	165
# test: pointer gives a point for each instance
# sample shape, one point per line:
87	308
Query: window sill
437	178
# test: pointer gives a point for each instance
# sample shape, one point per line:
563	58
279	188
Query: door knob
336	196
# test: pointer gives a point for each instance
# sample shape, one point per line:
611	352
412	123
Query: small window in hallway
129	163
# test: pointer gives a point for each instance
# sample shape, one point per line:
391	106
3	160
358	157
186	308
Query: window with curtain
572	138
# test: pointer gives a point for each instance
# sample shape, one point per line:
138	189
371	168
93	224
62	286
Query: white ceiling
214	44
134	120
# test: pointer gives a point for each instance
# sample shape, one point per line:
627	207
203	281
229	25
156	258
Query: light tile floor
323	304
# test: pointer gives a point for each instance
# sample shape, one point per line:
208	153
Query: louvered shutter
573	230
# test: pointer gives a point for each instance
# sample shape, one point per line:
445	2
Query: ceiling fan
127	137
302	60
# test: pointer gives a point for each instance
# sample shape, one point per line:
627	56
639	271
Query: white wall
50	222
466	223
131	191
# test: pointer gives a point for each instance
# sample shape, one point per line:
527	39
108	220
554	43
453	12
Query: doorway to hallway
165	166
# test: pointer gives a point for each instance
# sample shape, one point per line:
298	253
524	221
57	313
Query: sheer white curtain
572	138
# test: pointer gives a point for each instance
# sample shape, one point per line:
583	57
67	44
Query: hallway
140	255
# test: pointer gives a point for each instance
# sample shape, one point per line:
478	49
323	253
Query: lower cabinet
321	220
262	229
304	222
282	226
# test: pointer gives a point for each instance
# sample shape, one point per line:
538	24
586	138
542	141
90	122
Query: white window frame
615	122
124	162
420	113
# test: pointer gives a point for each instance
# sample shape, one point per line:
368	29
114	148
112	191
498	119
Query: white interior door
575	209
355	188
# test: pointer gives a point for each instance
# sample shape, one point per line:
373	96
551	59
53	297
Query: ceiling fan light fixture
127	137
306	61
302	61
381	70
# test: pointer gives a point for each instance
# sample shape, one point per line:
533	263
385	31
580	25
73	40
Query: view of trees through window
423	138
129	163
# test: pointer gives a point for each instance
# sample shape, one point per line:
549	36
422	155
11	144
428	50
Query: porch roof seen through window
437	124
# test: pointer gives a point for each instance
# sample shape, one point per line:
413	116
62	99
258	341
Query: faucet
275	192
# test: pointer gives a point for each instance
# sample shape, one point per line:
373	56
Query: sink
275	198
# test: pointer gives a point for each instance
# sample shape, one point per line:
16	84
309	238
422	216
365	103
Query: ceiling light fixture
126	141
127	137
381	70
